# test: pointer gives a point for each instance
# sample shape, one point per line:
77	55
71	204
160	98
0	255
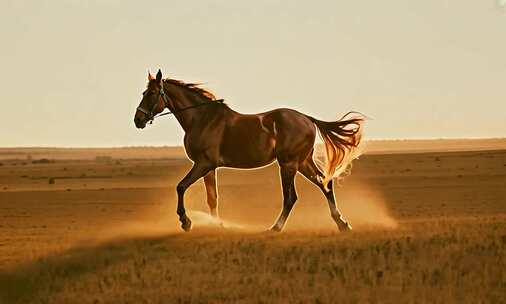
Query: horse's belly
247	164
248	146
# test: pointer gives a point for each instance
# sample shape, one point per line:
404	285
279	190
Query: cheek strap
150	114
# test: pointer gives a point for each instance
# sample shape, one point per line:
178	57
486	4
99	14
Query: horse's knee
181	188
290	200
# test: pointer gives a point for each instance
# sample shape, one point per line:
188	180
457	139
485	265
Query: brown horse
217	136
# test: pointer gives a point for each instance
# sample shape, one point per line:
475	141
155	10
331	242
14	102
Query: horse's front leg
212	192
198	170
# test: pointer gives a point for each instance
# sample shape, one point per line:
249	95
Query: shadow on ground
25	282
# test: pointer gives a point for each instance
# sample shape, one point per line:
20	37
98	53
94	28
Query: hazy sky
72	72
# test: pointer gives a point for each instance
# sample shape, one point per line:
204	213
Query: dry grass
423	234
433	261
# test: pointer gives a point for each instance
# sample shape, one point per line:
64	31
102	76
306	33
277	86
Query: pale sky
72	72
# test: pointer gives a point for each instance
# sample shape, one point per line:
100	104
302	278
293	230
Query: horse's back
254	140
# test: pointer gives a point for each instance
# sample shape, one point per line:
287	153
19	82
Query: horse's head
153	101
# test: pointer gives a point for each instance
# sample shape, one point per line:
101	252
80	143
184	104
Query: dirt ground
428	227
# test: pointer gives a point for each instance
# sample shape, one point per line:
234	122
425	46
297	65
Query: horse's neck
179	100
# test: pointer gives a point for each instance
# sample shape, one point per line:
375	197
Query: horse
217	136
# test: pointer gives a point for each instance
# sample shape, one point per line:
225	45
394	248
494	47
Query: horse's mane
194	87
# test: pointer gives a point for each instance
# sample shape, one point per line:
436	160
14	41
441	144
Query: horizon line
181	146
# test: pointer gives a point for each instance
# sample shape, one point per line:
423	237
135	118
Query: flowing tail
341	139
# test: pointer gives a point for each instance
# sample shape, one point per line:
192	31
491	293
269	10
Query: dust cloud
368	210
205	219
364	208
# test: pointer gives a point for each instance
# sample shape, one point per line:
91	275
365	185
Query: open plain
429	226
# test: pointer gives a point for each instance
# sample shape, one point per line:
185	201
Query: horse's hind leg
212	192
287	172
309	169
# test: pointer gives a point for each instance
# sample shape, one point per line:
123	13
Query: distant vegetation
42	161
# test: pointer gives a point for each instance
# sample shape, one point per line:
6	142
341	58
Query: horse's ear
150	77
159	76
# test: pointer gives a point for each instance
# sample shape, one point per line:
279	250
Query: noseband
165	98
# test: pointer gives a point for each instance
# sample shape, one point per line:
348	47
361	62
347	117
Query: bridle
165	99
149	113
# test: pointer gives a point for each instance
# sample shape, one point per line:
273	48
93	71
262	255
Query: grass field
428	227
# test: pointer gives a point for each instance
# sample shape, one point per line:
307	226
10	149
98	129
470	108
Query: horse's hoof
345	227
186	224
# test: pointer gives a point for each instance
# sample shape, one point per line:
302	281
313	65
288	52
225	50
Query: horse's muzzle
139	123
